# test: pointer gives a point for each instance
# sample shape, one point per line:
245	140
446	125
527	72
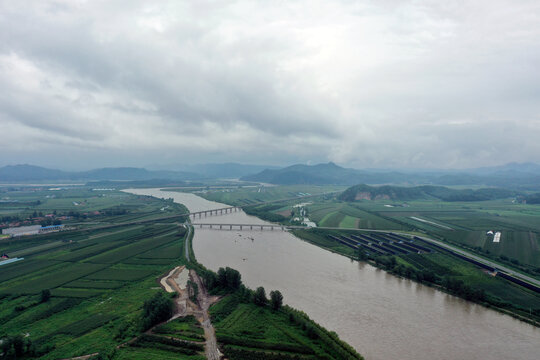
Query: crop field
121	274
449	266
151	352
248	331
337	214
98	279
463	224
256	194
81	205
186	328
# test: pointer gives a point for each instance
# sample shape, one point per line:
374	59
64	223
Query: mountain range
524	176
12	173
515	176
228	170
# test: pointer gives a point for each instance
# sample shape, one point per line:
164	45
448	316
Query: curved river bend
382	316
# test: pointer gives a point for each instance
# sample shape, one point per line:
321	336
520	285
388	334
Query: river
382	316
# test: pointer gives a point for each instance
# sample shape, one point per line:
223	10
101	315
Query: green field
464	224
240	196
186	328
78	205
98	279
252	332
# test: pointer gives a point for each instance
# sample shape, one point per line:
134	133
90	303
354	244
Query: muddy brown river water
382	316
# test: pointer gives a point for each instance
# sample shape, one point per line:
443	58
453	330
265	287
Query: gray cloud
382	83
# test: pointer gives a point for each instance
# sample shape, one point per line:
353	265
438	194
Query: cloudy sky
424	84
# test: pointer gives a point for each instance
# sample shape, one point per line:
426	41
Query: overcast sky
424	84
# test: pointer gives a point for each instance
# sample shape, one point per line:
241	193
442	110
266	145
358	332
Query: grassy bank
248	331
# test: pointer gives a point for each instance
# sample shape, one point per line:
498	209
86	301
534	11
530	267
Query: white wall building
22	230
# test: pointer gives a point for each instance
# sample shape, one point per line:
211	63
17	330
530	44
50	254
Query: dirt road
205	301
185	307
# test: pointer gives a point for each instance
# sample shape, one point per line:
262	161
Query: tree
159	308
45	295
233	278
276	299
222	277
260	297
229	278
16	346
362	254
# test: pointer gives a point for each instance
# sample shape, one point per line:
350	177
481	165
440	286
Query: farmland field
248	331
465	224
98	279
255	194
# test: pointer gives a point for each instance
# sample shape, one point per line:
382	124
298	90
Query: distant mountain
130	173
30	172
510	168
522	177
332	174
398	193
320	174
225	170
24	173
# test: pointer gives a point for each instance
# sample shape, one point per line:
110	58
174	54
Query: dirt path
205	301
185	307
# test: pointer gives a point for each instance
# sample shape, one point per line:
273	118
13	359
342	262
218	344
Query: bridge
219	211
246	226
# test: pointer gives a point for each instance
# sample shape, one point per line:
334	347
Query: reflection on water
382	316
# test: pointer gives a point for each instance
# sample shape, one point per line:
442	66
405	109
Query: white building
22	230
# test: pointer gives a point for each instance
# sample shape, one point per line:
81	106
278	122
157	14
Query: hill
30	172
320	174
366	192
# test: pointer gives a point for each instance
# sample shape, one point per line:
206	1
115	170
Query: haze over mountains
525	176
